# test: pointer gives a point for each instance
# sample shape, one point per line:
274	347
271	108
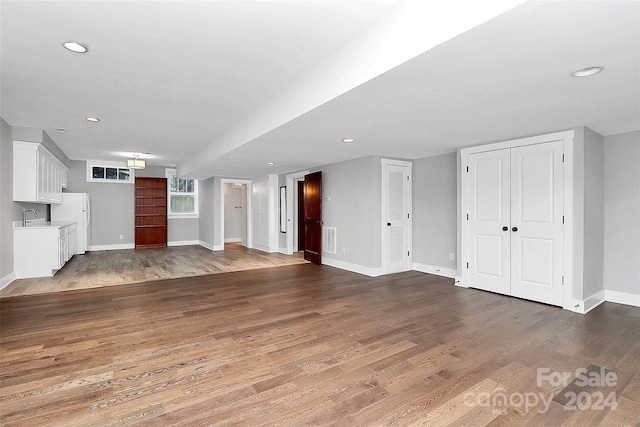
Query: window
108	172
182	196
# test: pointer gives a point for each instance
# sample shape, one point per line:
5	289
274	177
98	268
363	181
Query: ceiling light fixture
348	140
92	119
589	71
271	163
75	47
136	163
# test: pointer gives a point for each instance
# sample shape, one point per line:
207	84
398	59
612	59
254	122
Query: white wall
622	217
355	210
264	213
593	276
434	212
112	208
6	202
207	226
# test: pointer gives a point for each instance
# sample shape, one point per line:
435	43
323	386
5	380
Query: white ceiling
222	87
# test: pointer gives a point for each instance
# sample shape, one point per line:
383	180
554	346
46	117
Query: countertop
17	225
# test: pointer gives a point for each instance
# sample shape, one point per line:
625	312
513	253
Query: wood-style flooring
307	345
119	267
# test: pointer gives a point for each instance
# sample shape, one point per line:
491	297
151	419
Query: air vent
329	241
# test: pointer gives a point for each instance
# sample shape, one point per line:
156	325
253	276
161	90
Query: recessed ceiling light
271	163
589	71
75	47
61	130
92	119
348	140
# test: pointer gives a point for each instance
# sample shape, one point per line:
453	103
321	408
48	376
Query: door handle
514	229
388	224
505	228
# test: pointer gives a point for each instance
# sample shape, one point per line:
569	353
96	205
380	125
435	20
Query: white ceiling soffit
165	77
505	79
411	28
222	87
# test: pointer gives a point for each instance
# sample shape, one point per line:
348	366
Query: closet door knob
505	228
514	229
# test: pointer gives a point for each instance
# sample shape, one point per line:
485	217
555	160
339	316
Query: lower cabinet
41	251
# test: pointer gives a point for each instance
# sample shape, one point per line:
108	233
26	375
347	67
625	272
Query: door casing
291	210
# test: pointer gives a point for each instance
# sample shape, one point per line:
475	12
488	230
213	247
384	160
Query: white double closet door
516	221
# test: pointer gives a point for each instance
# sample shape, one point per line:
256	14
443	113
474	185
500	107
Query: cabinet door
64	177
56	190
72	244
61	251
42	176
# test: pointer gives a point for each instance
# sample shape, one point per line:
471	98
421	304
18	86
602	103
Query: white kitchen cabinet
42	249
38	176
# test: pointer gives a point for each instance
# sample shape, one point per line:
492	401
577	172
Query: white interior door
489	221
515	223
396	205
536	222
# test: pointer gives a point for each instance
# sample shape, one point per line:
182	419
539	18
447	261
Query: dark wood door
313	217
301	215
151	213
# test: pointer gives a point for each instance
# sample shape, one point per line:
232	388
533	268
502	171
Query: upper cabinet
38	176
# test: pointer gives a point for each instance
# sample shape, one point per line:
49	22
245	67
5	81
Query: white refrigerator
75	207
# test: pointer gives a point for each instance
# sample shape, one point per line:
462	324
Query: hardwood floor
306	345
108	268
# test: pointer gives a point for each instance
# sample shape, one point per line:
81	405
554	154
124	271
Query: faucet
24	216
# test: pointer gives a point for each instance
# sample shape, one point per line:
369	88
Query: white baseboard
430	269
233	240
111	247
622	298
458	282
210	246
262	248
586	305
583	307
184	243
6	280
355	268
283	251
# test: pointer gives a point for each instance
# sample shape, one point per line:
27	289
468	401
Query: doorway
235	212
313	217
293	211
298	226
396	216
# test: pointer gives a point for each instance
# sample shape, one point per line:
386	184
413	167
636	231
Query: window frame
90	164
169	172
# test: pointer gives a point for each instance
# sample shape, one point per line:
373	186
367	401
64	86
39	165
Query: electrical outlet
452	256
121	236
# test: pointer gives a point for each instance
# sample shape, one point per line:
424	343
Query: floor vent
329	244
